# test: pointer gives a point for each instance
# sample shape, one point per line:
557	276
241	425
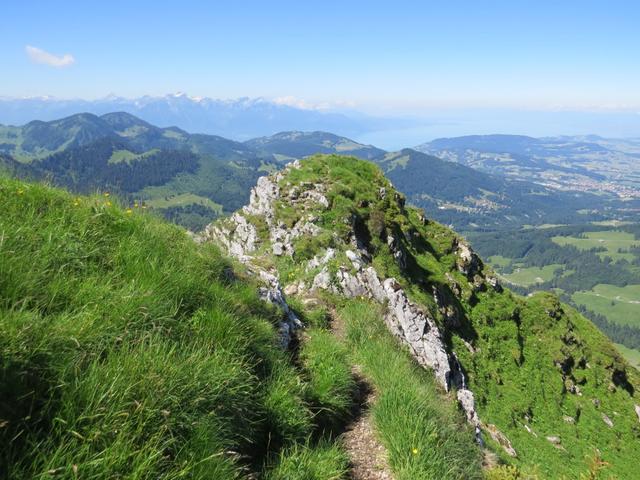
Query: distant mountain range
240	119
193	178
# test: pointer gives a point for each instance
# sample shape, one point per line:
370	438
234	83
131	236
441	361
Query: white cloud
37	55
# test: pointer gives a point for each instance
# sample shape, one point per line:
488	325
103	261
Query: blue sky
378	56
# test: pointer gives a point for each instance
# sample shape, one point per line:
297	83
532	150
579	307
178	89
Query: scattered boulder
555	441
291	289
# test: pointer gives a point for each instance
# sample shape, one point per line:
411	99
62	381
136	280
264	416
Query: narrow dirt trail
367	455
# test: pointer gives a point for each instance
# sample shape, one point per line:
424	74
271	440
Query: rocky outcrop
236	235
407	321
356	277
468	261
272	293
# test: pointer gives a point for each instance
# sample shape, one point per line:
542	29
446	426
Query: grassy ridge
129	351
531	362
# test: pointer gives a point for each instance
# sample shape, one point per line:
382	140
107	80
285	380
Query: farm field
498	261
612	240
527	276
184	199
619	304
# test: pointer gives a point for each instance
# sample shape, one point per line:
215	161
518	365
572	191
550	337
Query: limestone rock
468	261
322	280
277	248
319	261
502	439
272	293
468	404
355	259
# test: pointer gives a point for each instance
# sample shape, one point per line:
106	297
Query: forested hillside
190	179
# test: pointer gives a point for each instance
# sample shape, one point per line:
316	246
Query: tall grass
325	461
425	436
331	385
127	351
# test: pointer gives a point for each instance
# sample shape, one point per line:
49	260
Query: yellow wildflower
414	451
129	211
108	204
106	194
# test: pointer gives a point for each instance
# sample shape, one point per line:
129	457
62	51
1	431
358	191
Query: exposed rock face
554	440
238	236
413	325
637	407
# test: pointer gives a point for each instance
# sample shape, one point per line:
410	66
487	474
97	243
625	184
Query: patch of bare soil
368	456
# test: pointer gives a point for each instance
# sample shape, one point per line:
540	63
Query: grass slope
128	351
